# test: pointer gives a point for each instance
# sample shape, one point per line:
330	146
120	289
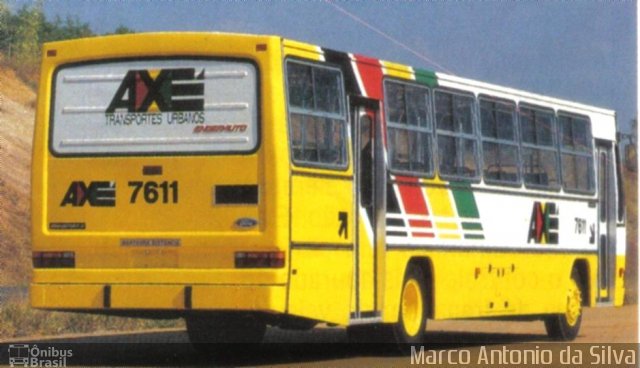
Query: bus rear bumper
103	297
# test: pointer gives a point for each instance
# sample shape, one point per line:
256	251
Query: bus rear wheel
565	326
205	330
412	316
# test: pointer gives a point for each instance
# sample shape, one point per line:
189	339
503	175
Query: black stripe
322	175
187	105
106	296
188	89
236	194
343	60
392	202
182	73
188	297
395	222
321	246
396	233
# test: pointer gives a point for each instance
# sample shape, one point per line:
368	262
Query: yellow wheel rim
412	307
574	304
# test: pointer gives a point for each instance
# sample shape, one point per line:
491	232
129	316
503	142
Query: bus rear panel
152	173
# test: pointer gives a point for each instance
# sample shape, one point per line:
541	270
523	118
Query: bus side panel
322	248
486	284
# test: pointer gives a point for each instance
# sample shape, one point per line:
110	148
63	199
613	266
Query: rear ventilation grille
236	194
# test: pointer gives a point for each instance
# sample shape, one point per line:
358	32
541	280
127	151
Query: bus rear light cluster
259	259
54	259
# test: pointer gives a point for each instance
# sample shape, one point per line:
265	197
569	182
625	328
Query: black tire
205	330
412	316
565	326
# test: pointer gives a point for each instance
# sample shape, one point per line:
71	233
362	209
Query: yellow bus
240	181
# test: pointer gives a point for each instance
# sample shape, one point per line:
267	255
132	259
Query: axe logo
143	91
543	226
97	193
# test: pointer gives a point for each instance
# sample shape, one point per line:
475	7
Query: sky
584	51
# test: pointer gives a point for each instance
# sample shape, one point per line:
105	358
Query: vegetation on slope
23	32
21	36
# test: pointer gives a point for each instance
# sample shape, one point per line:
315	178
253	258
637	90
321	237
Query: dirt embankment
631	199
17	102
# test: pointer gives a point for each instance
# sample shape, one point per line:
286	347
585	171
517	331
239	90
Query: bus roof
603	120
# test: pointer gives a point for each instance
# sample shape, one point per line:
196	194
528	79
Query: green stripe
465	201
472	226
473	236
426	77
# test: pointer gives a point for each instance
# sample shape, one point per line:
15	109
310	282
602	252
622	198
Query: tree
631	149
5	36
64	30
26	40
22	34
123	30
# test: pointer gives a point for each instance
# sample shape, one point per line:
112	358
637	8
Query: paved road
326	347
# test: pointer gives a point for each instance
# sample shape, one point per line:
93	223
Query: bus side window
576	148
539	154
456	139
409	128
317	117
501	157
296	135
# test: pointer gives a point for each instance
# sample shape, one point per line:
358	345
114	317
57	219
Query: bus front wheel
565	326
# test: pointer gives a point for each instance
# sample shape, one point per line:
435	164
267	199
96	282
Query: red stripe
370	71
420	223
371	75
141	91
412	197
539	221
423	235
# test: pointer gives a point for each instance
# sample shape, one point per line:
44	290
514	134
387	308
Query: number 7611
153	191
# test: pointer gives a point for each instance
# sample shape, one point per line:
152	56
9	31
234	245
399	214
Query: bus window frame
344	116
430	130
553	148
590	154
477	178
515	142
52	100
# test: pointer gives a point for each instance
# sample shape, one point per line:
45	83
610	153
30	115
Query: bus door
369	207
606	228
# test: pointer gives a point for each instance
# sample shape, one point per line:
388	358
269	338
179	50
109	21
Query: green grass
18	319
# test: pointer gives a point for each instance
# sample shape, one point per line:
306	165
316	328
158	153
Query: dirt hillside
17	102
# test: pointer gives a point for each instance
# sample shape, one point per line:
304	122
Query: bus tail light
259	259
54	259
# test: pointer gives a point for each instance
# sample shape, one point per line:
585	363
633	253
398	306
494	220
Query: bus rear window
163	106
